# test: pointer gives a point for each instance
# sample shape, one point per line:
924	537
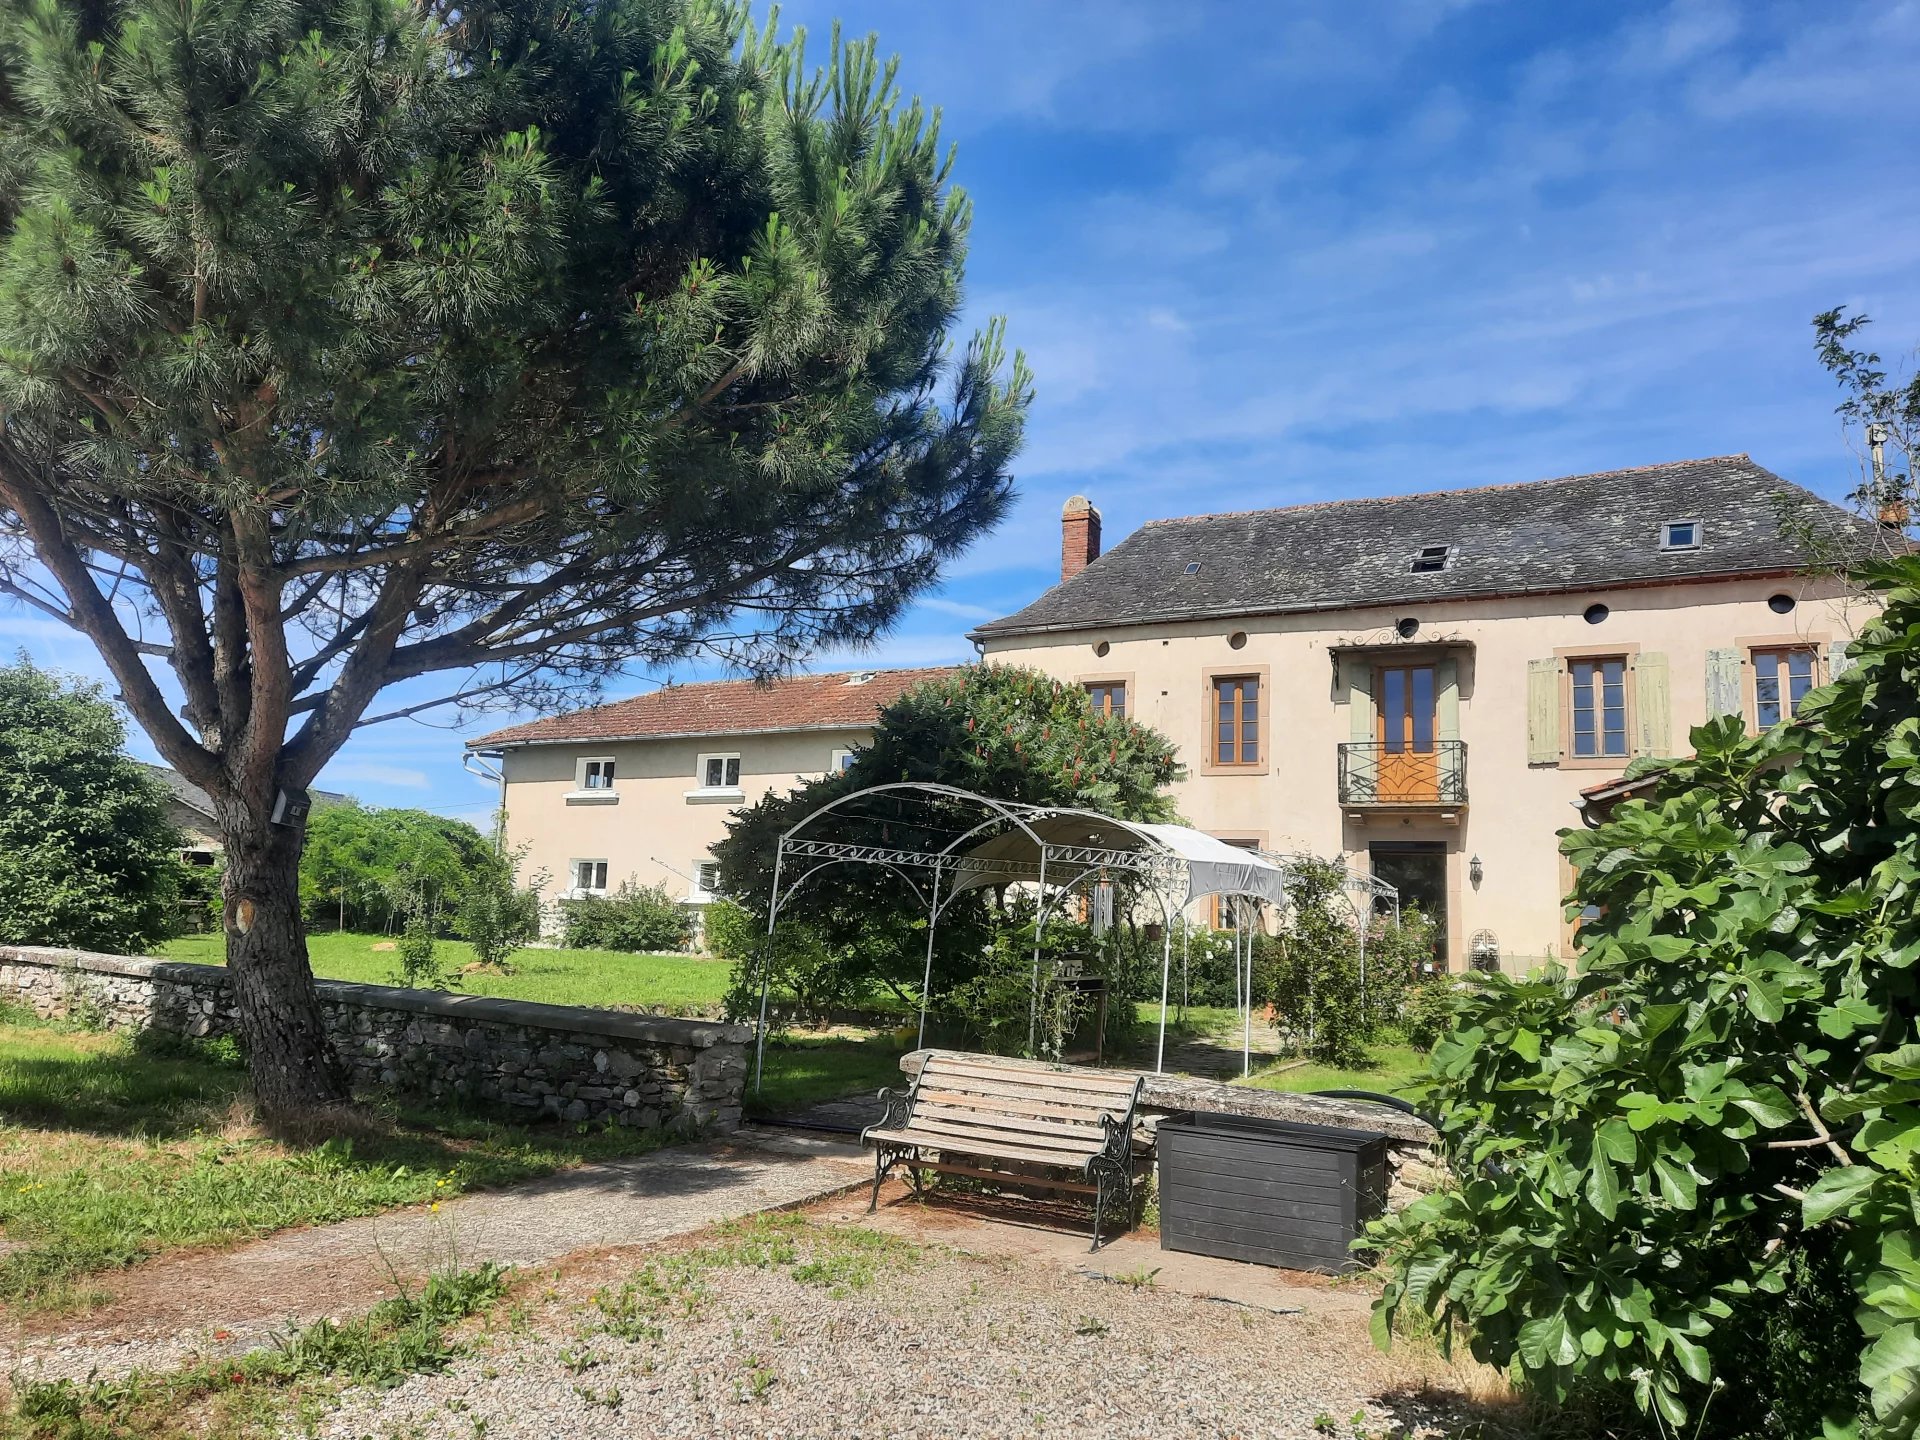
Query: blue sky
1274	252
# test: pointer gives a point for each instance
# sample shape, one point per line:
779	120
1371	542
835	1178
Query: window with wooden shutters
1782	676
1108	697
1597	708
1236	720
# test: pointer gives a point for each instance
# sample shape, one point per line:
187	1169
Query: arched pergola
942	841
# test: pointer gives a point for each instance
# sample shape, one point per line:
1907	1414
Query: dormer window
1193	567
1680	535
1431	560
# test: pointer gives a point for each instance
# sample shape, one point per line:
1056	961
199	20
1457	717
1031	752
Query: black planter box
1269	1191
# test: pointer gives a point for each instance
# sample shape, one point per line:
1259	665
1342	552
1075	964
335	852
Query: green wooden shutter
1446	678
1360	717
1543	712
1838	660
1654	733
1723	684
1363	773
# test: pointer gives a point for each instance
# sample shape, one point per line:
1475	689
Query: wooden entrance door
1407	723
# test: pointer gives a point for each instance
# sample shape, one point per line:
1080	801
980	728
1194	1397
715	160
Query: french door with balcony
1406	724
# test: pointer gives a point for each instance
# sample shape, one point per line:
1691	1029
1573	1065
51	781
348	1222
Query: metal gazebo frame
1054	849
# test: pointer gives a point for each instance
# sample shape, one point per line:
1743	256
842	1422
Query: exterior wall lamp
1476	872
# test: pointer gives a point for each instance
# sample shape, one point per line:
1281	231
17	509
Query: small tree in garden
1681	1169
496	916
1336	995
1002	731
507	342
88	857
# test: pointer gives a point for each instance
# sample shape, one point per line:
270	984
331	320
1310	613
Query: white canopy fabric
1216	868
1205	865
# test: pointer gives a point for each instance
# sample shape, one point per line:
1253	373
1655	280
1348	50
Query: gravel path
952	1343
227	1301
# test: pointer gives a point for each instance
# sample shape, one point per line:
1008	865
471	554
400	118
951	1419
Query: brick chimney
1079	536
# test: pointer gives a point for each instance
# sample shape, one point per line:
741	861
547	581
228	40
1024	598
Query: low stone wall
529	1061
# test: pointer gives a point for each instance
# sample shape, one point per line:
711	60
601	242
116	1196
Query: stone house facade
1429	686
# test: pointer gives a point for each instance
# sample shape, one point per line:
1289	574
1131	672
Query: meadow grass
1391	1069
803	1069
604	979
113	1152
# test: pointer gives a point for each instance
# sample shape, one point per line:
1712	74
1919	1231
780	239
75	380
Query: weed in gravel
1141	1279
609	1398
1088	1325
247	1395
577	1359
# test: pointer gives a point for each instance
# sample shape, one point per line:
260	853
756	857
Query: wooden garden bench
1063	1129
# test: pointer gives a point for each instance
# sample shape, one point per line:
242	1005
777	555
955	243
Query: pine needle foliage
349	342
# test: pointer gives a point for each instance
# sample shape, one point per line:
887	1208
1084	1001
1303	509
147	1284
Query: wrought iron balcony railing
1378	772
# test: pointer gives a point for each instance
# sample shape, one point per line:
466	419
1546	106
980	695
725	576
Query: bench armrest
1119	1135
899	1105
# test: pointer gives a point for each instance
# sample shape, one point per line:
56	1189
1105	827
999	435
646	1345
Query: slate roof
727	707
1584	532
198	801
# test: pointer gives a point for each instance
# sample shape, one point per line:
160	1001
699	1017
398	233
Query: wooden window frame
1209	719
1750	645
1124	679
1630	684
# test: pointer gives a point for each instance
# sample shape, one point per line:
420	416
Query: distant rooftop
1584	532
197	800
847	700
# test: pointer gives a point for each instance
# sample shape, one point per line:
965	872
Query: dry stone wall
525	1060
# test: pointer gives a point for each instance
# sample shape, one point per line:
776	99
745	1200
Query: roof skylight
1431	560
1680	535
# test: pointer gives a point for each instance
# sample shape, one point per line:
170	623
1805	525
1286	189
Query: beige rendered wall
652	823
1514	809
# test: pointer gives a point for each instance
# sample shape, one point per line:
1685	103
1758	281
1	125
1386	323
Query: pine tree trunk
294	1067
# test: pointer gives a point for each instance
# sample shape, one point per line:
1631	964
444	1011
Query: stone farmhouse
1431	686
1425	686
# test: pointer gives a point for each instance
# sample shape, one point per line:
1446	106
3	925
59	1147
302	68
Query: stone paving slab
227	1301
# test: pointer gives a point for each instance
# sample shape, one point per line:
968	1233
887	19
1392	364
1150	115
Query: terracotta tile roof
727	707
1584	532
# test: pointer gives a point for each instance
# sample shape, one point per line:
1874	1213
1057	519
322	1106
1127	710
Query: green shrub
419	966
635	918
1691	1174
497	917
1429	1012
1315	975
88	857
809	980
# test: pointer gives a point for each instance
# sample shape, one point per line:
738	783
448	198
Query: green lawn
1392	1070
607	979
112	1152
801	1070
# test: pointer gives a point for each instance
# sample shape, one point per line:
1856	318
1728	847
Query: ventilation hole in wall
1781	604
1237	640
1596	613
1408	628
1103	649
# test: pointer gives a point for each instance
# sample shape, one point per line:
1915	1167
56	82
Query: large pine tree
345	342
